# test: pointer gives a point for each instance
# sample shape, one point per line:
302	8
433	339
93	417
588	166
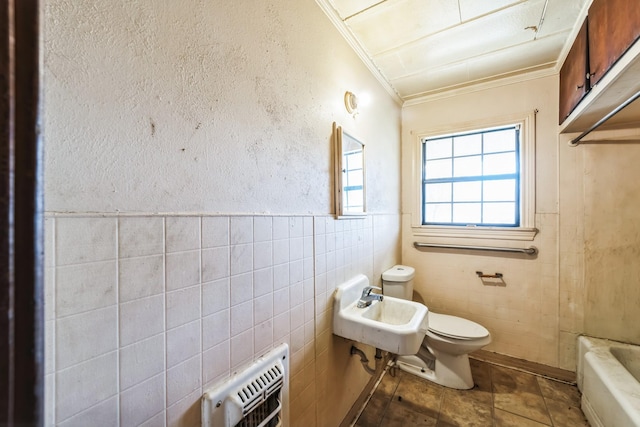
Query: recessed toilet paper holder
481	275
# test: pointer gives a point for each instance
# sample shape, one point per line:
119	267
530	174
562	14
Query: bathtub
608	375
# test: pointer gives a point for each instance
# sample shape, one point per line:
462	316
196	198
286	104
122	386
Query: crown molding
337	22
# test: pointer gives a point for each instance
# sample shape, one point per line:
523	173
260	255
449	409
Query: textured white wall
523	315
205	106
200	108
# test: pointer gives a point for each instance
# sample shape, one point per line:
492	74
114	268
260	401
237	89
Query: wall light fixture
351	103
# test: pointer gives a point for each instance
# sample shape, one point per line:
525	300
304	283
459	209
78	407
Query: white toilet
443	357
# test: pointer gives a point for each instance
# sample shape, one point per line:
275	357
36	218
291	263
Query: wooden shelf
617	86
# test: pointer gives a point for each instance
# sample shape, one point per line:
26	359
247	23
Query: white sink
394	325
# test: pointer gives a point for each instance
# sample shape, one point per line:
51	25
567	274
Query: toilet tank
398	282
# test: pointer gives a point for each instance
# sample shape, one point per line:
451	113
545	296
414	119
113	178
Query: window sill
493	233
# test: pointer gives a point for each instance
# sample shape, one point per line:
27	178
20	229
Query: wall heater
257	396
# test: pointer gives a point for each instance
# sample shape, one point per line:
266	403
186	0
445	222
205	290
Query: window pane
503	190
467	213
354	178
437	192
467	191
354	161
498	164
467	145
353	200
437	212
438	169
467	166
438	148
499	213
503	140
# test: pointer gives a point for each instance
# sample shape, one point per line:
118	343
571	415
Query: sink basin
394	325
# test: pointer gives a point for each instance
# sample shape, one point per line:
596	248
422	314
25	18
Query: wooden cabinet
611	28
573	75
614	25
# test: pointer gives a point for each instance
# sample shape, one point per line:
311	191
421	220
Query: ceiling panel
395	23
422	46
347	8
471	9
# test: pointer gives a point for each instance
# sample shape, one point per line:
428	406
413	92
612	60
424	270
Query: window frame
527	149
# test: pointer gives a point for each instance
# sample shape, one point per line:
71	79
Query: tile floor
502	397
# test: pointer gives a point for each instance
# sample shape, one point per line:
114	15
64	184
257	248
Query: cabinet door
573	75
614	25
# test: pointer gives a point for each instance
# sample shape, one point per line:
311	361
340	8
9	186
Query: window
472	178
476	180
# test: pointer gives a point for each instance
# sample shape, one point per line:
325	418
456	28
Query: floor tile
501	397
564	414
398	415
459	410
559	391
418	395
507	419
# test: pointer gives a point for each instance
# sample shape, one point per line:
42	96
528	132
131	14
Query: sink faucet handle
367	290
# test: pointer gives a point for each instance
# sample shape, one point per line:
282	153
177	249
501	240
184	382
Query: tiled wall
143	313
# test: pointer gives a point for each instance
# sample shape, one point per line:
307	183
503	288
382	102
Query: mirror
349	174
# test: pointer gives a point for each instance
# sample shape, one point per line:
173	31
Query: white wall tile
183	379
49	293
49	241
308	225
262	281
50	400
80	240
158	420
85	385
296	272
280	227
280	301
133	315
281	326
215	296
183	343
50	347
241	288
216	328
85	287
216	363
296	226
215	231
296	248
262	229
240	230
281	276
262	308
241	349
215	263
280	251
183	233
241	317
140	277
183	306
141	360
262	255
319	225
183	269
241	260
104	414
86	335
185	412
140	236
142	401
296	294
263	337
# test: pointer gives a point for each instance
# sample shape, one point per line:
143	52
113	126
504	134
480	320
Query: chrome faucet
367	297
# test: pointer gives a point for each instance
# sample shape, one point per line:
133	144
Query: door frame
22	219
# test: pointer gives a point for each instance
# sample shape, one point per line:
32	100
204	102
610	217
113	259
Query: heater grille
254	397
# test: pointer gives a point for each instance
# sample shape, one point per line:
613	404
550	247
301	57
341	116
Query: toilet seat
455	327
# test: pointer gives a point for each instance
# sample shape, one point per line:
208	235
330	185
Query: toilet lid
455	327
